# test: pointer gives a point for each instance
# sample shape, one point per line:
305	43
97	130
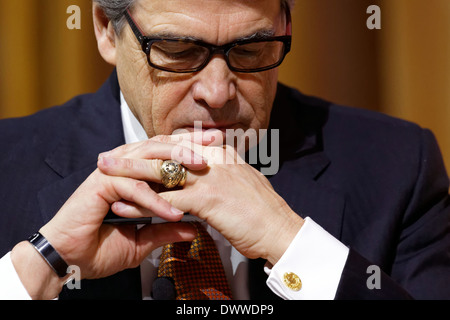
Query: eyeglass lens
179	55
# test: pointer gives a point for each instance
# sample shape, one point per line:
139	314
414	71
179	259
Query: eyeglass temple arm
288	29
134	27
288	22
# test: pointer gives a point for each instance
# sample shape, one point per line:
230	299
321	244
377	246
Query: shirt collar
132	129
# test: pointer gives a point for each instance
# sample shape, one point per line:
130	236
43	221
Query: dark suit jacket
376	183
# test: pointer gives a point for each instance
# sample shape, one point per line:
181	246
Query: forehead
215	21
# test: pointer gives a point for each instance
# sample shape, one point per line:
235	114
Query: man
354	191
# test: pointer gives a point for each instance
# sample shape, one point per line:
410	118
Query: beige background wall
402	70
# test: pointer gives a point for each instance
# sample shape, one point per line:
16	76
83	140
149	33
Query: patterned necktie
195	268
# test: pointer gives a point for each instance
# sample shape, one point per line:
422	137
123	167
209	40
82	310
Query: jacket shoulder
34	133
337	112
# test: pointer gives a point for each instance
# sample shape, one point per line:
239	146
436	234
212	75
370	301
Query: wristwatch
50	255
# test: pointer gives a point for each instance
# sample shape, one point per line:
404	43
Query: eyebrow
259	34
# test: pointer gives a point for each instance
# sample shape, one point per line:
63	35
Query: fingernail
103	154
107	161
176	211
119	206
210	134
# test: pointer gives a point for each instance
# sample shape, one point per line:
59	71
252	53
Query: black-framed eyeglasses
185	56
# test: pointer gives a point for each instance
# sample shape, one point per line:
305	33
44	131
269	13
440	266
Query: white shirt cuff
11	287
317	258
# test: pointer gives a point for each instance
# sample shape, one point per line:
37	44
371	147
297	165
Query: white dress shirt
315	256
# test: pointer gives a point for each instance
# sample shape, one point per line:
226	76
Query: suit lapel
96	128
303	161
308	197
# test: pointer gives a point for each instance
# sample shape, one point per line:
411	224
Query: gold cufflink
292	281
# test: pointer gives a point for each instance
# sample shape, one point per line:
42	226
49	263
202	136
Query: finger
121	150
127	209
152	149
152	236
215	136
210	137
179	199
140	194
147	170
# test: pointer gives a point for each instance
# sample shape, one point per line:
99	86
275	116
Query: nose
215	85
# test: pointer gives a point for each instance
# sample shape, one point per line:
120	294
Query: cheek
136	88
168	98
152	95
259	93
152	98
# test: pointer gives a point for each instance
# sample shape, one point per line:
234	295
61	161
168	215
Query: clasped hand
234	198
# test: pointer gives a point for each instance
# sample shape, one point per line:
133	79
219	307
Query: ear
105	34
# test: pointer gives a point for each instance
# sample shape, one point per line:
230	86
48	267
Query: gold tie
195	268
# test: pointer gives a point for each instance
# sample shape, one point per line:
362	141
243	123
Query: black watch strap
49	253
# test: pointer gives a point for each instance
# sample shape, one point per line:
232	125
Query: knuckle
147	147
141	186
161	138
158	201
149	143
128	163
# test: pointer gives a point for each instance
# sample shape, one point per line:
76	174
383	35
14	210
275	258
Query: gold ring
173	174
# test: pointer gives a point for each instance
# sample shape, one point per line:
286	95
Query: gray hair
114	10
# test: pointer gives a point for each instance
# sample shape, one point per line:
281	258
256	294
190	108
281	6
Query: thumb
153	236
